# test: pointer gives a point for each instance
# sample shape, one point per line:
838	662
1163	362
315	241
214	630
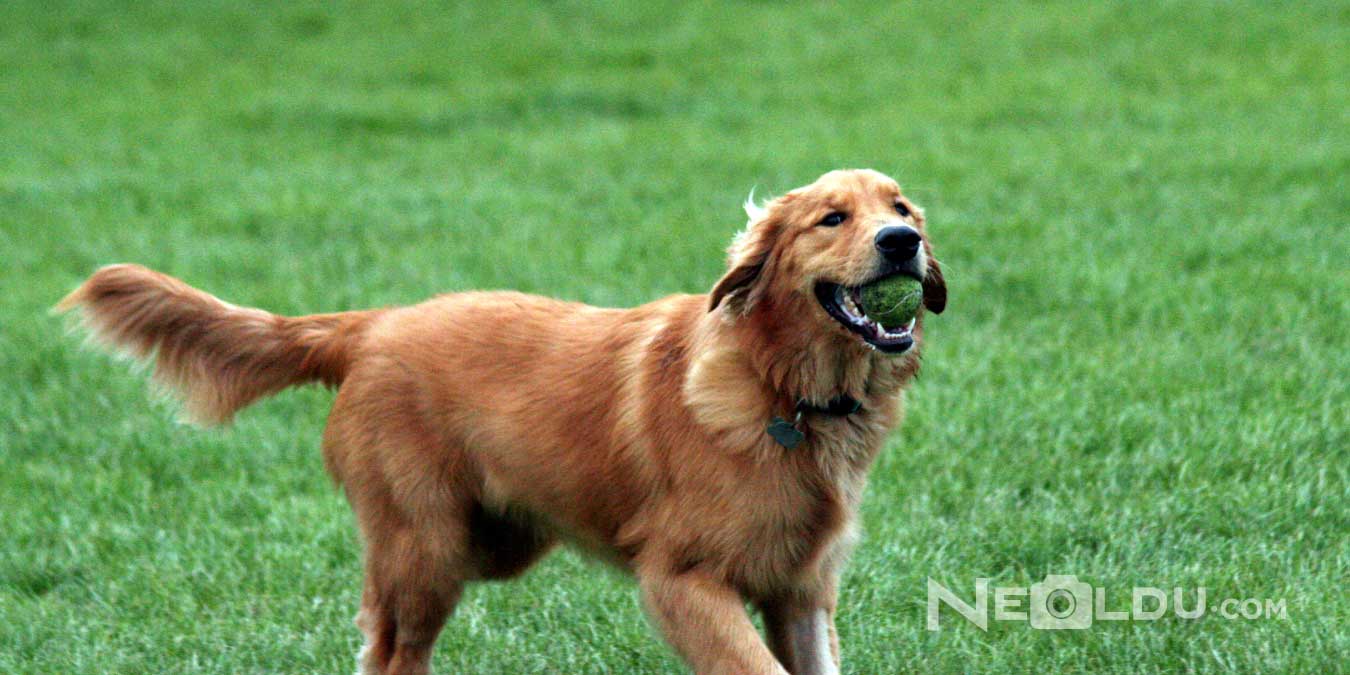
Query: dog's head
804	256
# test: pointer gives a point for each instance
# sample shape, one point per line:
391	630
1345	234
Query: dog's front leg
801	630
705	620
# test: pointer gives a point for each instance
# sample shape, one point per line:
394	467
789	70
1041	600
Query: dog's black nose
898	244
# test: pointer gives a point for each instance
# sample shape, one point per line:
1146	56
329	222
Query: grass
1141	378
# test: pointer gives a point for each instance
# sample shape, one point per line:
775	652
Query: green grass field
1141	378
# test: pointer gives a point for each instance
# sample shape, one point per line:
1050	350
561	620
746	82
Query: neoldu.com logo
1061	602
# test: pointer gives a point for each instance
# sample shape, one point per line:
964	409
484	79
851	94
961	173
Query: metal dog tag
785	433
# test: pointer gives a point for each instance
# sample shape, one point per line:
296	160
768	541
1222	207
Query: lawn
1141	378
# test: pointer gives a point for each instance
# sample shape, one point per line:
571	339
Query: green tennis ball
893	301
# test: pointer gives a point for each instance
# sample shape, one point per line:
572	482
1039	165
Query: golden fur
472	431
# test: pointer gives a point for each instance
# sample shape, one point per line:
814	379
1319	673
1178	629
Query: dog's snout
898	244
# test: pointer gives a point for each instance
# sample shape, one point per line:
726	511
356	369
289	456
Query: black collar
839	406
790	434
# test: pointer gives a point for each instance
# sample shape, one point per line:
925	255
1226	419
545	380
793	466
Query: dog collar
839	406
790	434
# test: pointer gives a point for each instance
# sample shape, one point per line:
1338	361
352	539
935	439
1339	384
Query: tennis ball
893	301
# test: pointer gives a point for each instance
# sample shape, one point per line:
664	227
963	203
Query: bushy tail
217	357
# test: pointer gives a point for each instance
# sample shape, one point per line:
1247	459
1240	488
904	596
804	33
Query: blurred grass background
1141	378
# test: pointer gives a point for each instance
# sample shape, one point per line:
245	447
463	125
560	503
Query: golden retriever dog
715	446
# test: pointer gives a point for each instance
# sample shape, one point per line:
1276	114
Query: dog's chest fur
792	507
801	528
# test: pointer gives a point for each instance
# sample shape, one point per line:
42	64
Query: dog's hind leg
414	578
413	582
413	493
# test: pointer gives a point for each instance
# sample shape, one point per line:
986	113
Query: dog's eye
903	210
833	219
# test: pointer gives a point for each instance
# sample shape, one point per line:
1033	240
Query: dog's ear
934	286
749	255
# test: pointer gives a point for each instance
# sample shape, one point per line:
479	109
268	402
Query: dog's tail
216	357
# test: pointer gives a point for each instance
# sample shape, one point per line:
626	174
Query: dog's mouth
844	305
